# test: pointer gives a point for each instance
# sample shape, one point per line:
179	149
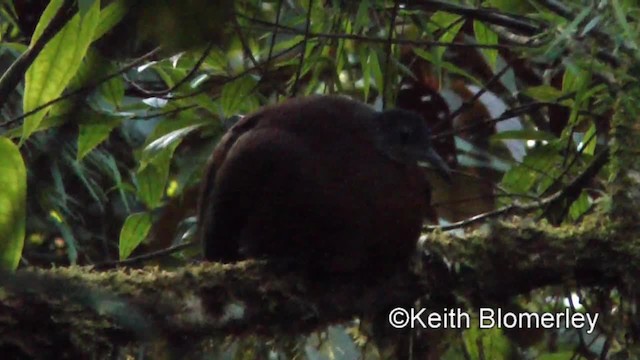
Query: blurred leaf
13	194
554	50
151	182
96	192
486	36
67	235
110	16
134	231
93	133
235	93
446	65
579	207
451	25
591	25
113	90
58	62
362	18
51	121
85	5
543	93
166	144
486	343
537	171
620	15
574	79
478	344
374	65
366	71
185	119
591	137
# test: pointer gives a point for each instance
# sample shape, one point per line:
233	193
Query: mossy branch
79	311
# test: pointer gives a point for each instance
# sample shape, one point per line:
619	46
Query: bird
323	181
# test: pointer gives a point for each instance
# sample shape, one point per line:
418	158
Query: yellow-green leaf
13	194
235	93
94	133
109	17
486	36
591	137
151	181
544	93
58	62
133	232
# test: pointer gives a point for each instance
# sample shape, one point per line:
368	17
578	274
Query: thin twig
465	106
519	23
396	41
591	170
146	257
182	81
81	90
296	82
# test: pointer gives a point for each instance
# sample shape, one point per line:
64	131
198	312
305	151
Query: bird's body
310	180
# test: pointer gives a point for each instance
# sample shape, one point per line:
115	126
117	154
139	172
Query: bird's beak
431	157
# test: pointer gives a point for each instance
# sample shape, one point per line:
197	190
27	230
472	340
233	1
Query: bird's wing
206	198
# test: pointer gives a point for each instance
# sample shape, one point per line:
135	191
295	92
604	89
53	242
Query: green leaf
486	36
544	93
58	62
590	136
150	182
620	15
67	235
559	42
591	25
579	207
573	79
374	64
110	16
486	343
362	18
366	71
235	93
85	5
113	91
445	21
13	195
134	231
49	122
94	133
445	65
166	144
538	170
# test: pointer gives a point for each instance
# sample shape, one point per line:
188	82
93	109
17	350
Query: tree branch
88	312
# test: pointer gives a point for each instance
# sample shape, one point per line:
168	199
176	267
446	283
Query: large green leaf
151	182
95	132
13	190
164	146
58	62
236	93
134	230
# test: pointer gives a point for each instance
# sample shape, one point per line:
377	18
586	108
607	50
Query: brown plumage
324	181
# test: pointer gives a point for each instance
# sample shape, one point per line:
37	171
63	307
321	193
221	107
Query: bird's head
405	137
